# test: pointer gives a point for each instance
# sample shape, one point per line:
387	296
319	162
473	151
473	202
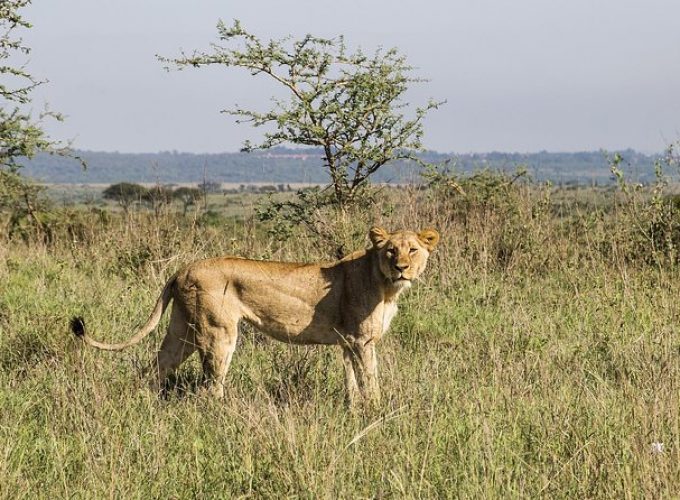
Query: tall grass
538	357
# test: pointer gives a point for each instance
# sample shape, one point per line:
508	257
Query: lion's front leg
365	365
369	363
351	387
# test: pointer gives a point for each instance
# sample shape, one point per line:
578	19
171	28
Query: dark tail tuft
78	326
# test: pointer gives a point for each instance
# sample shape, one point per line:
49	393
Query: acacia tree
126	193
348	104
21	136
188	196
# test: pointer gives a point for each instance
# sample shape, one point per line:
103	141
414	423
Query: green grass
535	382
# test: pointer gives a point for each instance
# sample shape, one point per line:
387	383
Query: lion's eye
412	251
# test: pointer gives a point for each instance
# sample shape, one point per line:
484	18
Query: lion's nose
401	267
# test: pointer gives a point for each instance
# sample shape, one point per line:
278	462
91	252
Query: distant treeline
281	165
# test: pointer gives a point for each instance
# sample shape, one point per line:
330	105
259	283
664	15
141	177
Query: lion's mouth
401	280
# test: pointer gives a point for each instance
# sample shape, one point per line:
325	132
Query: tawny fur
350	303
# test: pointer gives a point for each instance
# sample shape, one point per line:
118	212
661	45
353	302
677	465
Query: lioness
350	302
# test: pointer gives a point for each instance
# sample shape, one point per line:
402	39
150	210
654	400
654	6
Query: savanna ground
539	356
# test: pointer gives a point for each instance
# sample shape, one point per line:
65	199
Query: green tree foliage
21	135
125	193
188	196
348	104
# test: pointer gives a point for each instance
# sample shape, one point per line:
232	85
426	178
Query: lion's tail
78	324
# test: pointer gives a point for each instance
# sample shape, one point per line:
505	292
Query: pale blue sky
521	75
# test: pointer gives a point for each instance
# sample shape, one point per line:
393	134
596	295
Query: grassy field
538	357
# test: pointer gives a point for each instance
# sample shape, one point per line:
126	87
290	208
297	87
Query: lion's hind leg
216	347
179	343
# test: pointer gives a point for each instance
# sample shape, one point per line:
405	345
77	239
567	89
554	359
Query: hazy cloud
525	75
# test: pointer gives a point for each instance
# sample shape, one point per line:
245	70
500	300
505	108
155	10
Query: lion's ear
429	237
378	236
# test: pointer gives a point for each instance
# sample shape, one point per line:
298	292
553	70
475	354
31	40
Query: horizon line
425	151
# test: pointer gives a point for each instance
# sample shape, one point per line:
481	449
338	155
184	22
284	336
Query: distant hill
282	165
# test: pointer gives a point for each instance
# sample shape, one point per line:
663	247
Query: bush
502	215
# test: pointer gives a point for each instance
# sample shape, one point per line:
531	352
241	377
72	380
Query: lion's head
402	255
